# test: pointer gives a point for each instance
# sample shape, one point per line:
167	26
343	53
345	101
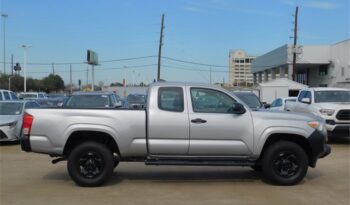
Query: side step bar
199	162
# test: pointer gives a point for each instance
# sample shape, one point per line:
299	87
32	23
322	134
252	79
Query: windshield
332	96
11	108
88	101
250	99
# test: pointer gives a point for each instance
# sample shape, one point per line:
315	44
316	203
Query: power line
194	63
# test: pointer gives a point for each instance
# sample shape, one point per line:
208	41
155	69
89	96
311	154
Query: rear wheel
90	164
284	163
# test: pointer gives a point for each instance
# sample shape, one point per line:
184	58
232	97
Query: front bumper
7	134
319	148
340	130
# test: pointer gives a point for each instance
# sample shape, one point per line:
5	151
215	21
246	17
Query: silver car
11	114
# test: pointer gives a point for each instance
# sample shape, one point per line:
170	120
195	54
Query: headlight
316	125
328	112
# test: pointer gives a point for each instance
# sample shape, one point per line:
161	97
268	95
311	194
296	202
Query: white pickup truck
183	124
332	104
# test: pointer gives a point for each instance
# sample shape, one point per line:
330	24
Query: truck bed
52	127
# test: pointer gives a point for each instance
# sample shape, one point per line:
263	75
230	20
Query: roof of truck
182	84
328	89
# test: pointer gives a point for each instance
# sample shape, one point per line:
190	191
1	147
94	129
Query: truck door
168	125
214	131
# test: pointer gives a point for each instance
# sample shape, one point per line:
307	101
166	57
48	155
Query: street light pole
25	47
4	16
10	81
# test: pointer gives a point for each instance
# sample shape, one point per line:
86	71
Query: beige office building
240	68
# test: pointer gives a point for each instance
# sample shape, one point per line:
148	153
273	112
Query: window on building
323	70
241	61
236	61
322	85
247	60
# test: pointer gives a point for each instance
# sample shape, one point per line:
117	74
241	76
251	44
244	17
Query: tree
52	83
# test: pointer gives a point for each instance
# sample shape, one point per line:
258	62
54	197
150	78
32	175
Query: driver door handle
198	121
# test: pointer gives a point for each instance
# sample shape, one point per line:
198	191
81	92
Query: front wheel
90	164
284	163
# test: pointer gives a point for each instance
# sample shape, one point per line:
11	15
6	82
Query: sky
203	31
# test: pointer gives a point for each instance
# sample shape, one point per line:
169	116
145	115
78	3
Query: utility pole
4	16
70	76
295	39
53	68
160	47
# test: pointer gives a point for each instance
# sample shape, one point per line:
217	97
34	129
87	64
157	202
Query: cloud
315	4
321	5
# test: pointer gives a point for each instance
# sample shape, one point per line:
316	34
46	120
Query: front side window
211	101
301	95
171	99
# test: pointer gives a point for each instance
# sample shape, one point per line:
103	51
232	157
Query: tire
284	163
90	164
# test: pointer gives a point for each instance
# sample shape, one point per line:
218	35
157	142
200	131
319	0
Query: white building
240	68
316	65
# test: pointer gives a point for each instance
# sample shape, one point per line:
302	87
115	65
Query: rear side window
14	97
171	99
0	95
7	96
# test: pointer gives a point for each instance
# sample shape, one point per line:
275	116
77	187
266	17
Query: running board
199	162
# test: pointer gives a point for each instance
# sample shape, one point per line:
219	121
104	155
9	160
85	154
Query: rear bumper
25	143
319	148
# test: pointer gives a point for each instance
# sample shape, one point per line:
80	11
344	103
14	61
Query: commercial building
316	65
240	68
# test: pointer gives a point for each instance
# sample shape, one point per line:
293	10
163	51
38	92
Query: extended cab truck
183	124
332	104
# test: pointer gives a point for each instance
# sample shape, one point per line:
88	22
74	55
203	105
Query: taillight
27	123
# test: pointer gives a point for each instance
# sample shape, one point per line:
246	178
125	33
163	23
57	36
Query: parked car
136	101
178	127
7	95
11	114
32	95
249	99
282	103
332	104
92	100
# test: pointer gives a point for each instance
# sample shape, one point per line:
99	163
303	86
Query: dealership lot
29	178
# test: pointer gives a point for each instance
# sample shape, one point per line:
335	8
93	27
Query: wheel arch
80	136
295	138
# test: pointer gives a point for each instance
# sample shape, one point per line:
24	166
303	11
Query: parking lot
29	178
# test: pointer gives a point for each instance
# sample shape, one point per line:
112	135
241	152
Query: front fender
261	140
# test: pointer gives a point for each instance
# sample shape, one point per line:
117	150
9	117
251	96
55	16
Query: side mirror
306	100
238	108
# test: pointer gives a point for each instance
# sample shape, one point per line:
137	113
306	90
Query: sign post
92	59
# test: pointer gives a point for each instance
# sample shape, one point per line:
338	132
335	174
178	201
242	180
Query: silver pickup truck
183	124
